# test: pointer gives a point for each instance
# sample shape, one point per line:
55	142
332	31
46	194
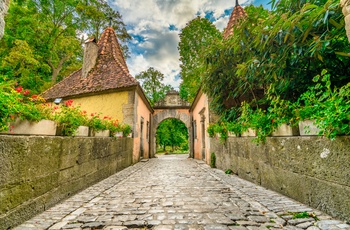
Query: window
194	125
147	134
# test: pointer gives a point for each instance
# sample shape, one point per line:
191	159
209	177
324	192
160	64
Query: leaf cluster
42	41
282	49
195	39
152	84
172	132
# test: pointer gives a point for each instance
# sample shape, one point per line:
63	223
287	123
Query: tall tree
172	132
51	28
97	15
195	38
151	81
283	49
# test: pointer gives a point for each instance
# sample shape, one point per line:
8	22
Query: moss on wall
38	172
312	170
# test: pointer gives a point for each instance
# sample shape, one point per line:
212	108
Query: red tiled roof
237	14
109	73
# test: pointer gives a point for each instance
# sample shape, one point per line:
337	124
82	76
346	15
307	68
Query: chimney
90	56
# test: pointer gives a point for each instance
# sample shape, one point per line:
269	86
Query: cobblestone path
173	192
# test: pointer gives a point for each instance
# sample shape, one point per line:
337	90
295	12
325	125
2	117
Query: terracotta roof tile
237	14
110	72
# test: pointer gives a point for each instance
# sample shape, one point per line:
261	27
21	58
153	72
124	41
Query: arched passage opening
160	115
172	136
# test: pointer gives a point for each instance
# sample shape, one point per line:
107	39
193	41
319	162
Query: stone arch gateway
171	107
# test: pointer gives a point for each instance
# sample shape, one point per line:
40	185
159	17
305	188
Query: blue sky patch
172	27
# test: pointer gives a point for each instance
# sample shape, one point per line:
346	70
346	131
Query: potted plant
126	130
245	121
115	128
98	126
20	114
71	120
327	107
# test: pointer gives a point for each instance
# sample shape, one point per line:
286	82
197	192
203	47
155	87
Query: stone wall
38	172
4	4
312	170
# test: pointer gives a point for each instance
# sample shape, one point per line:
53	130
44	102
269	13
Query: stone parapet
38	172
312	170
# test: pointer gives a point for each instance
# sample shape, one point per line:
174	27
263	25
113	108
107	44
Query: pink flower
34	96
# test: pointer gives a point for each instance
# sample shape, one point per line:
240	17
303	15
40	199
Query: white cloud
151	19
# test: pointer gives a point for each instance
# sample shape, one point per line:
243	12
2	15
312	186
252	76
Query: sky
155	26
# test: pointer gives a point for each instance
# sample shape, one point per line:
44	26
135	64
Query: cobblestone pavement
173	192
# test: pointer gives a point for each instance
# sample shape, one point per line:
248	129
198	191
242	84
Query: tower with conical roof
237	14
104	69
104	86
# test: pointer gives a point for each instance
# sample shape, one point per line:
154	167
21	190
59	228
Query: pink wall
142	115
200	108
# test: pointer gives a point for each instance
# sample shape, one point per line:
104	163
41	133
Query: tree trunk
56	70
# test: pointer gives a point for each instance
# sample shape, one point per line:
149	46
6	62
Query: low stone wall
38	172
312	170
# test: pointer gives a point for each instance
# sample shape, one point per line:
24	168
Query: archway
160	115
171	107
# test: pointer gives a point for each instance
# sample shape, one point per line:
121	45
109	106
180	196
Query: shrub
69	118
213	160
96	123
16	103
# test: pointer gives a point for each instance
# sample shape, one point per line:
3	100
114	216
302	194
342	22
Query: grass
179	151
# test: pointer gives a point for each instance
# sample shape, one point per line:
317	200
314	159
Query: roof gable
237	14
109	73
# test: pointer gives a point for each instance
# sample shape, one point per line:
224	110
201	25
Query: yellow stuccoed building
104	86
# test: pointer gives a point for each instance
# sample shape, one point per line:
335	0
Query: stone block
101	133
82	131
286	130
249	133
38	172
43	127
308	128
310	169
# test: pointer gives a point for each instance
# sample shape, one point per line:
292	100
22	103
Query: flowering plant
114	126
98	124
69	118
16	103
126	129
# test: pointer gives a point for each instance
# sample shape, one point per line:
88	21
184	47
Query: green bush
213	160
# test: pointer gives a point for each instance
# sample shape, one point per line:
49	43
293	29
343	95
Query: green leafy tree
96	15
194	40
172	132
280	48
151	81
51	29
24	67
